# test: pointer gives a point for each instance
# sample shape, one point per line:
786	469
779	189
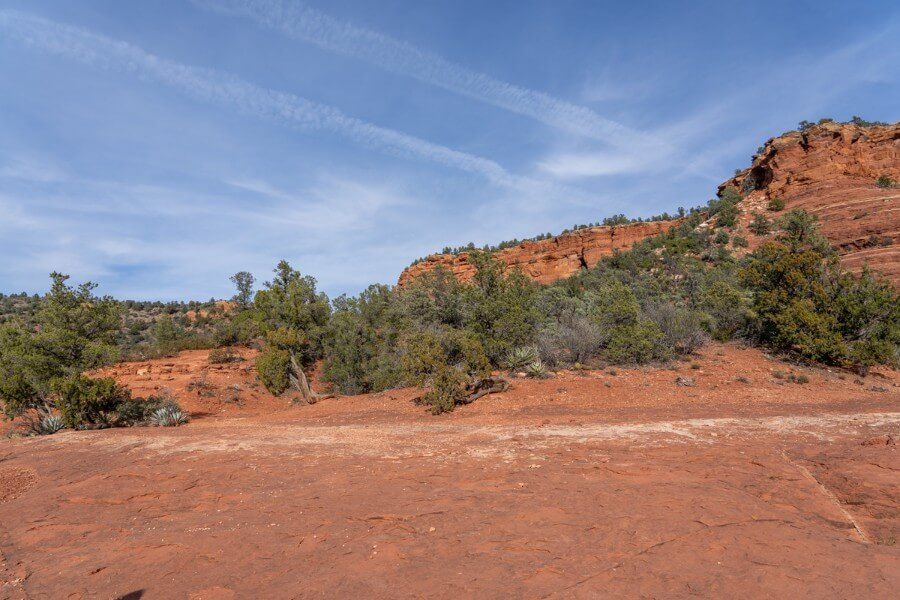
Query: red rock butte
829	170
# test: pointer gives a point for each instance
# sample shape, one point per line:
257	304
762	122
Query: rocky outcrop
548	260
830	170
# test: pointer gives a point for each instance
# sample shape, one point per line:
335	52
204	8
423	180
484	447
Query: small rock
685	381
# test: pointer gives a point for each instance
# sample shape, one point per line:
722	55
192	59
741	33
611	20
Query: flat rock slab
799	506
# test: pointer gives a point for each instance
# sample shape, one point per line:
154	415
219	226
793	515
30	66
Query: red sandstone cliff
830	170
549	260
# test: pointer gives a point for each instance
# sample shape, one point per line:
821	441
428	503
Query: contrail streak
307	24
105	53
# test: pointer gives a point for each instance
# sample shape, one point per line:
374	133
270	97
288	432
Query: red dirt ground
588	484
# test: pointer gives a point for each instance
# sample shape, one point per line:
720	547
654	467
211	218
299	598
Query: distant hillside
832	170
550	259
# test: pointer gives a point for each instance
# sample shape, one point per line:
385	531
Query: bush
639	342
137	411
727	305
682	329
443	361
776	204
446	389
806	306
220	356
89	402
727	215
628	337
272	366
760	225
500	310
576	340
740	242
73	331
885	182
426	354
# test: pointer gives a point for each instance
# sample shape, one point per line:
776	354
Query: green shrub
884	181
136	411
83	401
446	389
443	361
760	225
727	305
727	215
72	331
628	337
806	306
272	366
639	342
740	242
501	310
776	204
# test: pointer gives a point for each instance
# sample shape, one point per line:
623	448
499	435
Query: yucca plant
536	370
170	415
50	424
519	358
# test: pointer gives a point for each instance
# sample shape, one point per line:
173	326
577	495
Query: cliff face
548	260
830	170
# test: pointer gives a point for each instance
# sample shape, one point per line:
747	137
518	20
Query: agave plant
170	415
536	370
50	424
522	357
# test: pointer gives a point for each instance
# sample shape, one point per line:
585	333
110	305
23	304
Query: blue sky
158	147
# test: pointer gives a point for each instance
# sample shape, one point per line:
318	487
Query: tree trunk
300	382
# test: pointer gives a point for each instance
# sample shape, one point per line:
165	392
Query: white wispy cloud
105	53
332	204
312	26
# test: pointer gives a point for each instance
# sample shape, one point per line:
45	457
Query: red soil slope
200	387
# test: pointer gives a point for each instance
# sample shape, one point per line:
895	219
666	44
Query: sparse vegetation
220	356
760	225
776	204
884	181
